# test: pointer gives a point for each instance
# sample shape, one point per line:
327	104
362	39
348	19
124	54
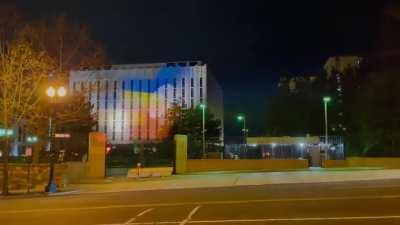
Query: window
183	93
201	90
131	113
90	93
97	103
140	110
148	110
106	107
165	98
123	110
192	92
174	90
114	108
157	100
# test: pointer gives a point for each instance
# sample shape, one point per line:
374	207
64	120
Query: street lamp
243	118
326	99
203	107
53	93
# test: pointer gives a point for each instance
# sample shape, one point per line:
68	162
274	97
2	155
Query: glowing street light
241	118
52	93
31	139
326	99
61	91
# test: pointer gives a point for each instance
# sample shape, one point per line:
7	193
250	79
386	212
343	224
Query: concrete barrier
383	162
76	171
150	172
33	177
202	165
334	163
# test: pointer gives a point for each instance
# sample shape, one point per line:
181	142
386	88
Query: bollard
138	165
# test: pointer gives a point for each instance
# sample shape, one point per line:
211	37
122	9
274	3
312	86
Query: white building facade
131	102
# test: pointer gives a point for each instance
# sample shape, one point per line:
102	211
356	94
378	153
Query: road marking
270	220
138	215
189	217
47	210
295	219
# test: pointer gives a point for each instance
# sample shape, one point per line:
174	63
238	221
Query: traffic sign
62	135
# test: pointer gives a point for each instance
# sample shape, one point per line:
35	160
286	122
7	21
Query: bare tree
23	72
71	46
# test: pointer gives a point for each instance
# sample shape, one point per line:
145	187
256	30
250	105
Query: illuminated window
165	97
131	113
192	92
106	107
174	90
90	93
97	103
114	108
140	110
123	110
201	90
148	110
183	93
157	99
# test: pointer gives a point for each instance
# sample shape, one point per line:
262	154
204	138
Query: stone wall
33	177
381	162
202	165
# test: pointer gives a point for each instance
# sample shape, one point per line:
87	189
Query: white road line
270	220
189	217
138	215
48	210
296	219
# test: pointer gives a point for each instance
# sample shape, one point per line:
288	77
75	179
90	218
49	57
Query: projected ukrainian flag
132	101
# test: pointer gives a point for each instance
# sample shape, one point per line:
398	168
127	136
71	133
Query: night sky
247	44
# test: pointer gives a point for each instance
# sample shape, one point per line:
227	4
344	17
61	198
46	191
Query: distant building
340	64
132	101
295	84
341	72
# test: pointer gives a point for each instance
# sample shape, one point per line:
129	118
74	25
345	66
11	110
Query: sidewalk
226	179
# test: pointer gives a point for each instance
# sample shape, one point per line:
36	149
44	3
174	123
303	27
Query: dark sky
247	44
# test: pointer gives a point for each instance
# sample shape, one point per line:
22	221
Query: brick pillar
180	153
97	153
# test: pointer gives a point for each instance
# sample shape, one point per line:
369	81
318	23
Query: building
131	102
296	84
341	75
341	64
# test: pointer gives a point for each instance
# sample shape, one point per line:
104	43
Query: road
362	202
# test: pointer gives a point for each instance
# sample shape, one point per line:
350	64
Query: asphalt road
366	203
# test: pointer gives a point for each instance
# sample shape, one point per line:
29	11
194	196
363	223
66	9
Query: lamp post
326	99
52	93
244	130
203	108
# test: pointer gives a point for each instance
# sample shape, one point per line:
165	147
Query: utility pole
326	100
203	107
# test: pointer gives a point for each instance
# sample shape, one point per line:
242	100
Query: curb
74	192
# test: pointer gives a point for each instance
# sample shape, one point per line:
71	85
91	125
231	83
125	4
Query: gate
122	158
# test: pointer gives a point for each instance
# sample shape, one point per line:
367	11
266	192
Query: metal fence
334	148
121	158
